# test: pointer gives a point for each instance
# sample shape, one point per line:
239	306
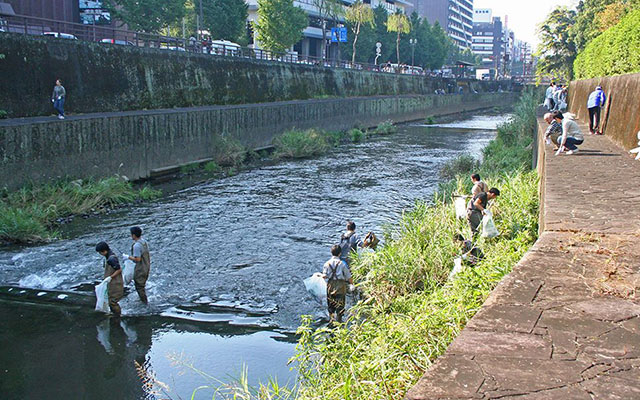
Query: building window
92	12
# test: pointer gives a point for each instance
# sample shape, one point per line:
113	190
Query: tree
358	14
557	50
400	24
326	9
280	24
225	19
147	15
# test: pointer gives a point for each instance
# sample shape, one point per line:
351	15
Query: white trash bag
102	296
460	204
317	287
127	271
489	229
457	267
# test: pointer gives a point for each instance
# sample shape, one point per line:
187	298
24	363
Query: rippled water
228	259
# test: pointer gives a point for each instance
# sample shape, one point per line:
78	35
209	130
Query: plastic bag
127	271
102	297
317	287
461	207
457	267
489	229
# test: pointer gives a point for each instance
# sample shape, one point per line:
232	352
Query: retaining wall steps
565	324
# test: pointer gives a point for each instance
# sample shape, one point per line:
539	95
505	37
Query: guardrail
21	24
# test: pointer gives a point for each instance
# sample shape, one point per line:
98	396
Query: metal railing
21	24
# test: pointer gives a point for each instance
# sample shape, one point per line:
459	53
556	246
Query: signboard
339	35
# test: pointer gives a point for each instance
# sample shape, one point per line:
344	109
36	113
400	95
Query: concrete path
565	324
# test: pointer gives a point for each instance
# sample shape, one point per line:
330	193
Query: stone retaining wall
621	115
135	143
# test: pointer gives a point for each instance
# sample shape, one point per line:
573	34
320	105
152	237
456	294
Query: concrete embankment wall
138	142
102	77
620	117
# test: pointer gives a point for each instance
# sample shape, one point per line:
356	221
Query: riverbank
411	311
31	214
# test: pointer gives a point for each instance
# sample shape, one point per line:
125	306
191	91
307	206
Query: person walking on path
548	98
113	275
596	101
477	206
571	134
140	255
57	98
338	276
478	185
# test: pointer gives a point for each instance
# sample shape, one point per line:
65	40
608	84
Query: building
311	43
455	17
489	40
89	12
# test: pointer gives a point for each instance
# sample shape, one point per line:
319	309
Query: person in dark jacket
113	275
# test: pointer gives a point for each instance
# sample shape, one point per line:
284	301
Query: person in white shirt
571	134
548	101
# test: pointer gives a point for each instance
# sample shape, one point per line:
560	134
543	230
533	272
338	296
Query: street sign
338	35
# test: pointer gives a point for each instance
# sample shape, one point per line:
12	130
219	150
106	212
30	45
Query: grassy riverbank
31	214
411	311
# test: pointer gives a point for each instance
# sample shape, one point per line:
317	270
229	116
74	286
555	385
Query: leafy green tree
400	24
357	15
557	50
439	47
280	24
147	15
225	19
327	9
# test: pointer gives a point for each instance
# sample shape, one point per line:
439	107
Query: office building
454	16
489	40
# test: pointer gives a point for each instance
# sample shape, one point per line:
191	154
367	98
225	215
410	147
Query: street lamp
413	42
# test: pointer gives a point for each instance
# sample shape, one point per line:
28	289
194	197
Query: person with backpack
349	242
140	255
113	275
338	277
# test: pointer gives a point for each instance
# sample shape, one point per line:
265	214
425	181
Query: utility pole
413	42
200	21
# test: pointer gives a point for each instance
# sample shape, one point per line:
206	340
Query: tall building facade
488	40
88	12
454	16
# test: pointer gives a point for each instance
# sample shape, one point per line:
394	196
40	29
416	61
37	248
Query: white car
114	41
175	48
224	48
60	35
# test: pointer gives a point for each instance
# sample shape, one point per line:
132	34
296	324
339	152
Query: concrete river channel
228	259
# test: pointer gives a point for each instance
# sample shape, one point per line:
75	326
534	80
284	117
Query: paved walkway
565	324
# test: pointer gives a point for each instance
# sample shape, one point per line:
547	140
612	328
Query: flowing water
228	260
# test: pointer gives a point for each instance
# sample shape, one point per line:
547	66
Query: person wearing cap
596	101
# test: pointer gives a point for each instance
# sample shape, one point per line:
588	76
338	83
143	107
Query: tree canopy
226	19
280	24
147	15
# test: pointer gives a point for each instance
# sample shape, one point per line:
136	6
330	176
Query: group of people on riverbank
113	269
556	97
564	132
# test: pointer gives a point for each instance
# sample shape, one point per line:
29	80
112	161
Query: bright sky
524	15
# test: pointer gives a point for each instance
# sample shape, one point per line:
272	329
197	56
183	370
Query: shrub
228	151
212	167
614	52
385	128
356	135
4	114
462	165
301	144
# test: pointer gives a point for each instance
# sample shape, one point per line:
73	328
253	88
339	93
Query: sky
524	15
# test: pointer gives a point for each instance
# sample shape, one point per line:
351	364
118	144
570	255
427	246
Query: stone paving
565	324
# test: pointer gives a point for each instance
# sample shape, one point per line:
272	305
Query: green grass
212	167
4	114
301	144
356	135
410	311
385	128
30	214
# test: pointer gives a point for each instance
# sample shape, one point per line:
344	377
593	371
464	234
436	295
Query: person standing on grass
140	255
112	273
57	98
478	185
477	206
338	277
571	134
596	101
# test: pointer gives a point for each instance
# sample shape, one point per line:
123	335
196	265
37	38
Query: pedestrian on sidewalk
140	255
477	207
571	134
338	277
596	101
57	98
548	98
479	186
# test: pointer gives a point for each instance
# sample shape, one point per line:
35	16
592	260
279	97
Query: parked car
61	35
224	48
175	48
114	41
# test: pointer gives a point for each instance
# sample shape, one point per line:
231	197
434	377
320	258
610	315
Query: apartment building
455	17
488	39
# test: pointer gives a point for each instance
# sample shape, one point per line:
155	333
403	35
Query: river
228	260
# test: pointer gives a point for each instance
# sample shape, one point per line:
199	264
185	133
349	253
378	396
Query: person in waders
349	242
140	255
338	277
113	275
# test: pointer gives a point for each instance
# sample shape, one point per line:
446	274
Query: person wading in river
338	277
140	255
477	206
349	242
112	273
